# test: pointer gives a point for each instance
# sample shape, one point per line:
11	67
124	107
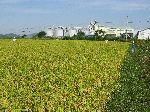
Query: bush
41	34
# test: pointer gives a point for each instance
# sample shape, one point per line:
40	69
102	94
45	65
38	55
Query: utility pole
126	26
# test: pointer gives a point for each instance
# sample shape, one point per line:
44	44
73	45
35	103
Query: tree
41	34
99	34
23	36
80	35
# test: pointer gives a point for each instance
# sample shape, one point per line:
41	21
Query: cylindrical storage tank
92	33
58	33
87	32
66	33
72	32
49	33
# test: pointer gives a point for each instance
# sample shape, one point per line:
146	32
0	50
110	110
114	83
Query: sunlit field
57	75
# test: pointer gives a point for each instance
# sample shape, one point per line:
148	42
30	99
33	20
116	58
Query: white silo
66	31
49	32
87	32
72	32
58	32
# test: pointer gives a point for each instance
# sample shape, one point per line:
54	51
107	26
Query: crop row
56	75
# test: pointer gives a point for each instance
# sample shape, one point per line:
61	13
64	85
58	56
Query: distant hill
11	35
8	35
31	35
1	35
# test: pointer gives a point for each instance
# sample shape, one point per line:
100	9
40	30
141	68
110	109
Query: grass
39	75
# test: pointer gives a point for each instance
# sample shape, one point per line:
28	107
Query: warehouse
144	34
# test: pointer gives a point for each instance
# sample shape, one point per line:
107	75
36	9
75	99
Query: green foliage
133	91
49	37
5	37
111	37
39	75
69	38
142	55
99	36
132	94
80	34
100	33
24	36
41	34
66	38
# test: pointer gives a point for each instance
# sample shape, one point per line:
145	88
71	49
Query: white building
59	32
72	32
49	32
116	31
144	34
123	30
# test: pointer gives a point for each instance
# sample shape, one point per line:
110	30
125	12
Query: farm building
144	34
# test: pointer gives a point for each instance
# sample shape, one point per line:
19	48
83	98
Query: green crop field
57	75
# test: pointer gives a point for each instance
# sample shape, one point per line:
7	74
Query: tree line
99	35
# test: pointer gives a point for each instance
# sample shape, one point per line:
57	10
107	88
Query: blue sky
16	15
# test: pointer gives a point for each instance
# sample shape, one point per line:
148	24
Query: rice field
58	75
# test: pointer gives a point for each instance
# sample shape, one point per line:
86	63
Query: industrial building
59	32
144	34
117	32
